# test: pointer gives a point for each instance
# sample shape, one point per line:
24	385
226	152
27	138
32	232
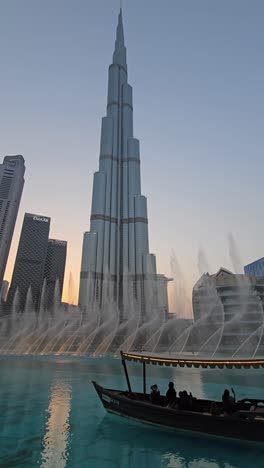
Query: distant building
255	268
4	290
11	186
30	260
54	271
228	309
162	293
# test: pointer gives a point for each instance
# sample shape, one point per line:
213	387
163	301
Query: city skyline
201	128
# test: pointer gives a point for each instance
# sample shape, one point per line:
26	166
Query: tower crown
119	56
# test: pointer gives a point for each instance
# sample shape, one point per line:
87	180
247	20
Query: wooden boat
243	423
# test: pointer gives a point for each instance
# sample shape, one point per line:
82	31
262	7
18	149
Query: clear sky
197	71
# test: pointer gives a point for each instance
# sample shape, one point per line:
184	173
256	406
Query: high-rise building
11	186
115	251
54	272
30	260
255	268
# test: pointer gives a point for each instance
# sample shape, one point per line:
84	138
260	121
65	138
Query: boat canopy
187	362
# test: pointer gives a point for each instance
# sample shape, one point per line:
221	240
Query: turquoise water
50	416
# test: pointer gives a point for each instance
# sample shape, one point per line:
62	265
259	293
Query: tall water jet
181	301
57	296
29	306
71	289
202	263
234	254
15	306
43	300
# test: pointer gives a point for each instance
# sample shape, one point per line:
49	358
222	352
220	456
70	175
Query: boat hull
233	427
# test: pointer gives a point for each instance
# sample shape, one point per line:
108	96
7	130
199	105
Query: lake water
50	416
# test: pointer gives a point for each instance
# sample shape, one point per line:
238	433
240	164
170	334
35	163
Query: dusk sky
197	72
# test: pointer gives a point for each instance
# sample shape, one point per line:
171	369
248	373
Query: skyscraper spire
119	56
116	254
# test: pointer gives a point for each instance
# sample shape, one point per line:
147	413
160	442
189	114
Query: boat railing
252	401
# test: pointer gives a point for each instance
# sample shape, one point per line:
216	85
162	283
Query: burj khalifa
115	252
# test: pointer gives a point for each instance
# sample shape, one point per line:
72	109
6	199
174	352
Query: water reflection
50	416
56	438
134	444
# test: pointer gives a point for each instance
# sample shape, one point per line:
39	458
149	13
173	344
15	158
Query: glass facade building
255	268
54	272
11	186
30	260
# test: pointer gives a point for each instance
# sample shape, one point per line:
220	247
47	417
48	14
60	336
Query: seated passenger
214	410
184	402
171	395
228	402
155	395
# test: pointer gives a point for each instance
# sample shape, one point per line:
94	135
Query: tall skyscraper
54	271
11	186
115	251
30	260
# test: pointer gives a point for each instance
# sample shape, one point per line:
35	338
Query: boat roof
175	361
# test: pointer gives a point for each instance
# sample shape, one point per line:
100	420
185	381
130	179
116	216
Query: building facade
115	254
228	312
11	186
54	272
29	266
255	268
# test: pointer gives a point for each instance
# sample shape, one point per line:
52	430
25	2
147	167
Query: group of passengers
185	400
